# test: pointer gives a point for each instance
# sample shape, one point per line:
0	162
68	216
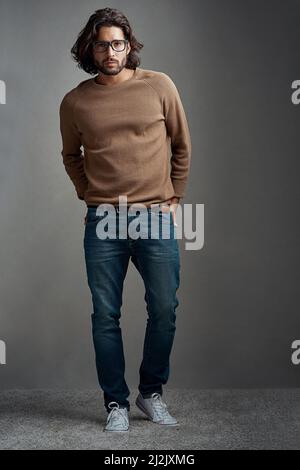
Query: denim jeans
158	262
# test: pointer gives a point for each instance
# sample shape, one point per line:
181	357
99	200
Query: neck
111	80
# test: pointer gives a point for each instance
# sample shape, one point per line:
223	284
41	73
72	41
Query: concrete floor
208	419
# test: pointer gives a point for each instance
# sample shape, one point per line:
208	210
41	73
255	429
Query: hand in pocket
173	208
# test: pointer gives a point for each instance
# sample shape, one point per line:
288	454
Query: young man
126	118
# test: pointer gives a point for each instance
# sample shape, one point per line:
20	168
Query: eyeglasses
118	45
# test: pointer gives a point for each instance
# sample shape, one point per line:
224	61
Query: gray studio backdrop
233	63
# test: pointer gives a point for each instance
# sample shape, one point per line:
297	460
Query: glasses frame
110	43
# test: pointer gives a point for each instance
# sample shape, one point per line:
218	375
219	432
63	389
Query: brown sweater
135	138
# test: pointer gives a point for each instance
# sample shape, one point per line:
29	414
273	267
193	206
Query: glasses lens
100	46
118	45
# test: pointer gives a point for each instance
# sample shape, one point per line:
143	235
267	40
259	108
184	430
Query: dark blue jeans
158	262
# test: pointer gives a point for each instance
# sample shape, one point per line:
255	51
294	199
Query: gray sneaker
117	420
155	409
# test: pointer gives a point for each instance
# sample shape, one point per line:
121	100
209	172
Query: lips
111	62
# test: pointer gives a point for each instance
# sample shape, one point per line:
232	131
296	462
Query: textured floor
208	419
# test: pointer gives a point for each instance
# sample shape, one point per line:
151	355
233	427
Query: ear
128	48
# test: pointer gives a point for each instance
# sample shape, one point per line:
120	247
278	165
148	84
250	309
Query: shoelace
115	413
159	406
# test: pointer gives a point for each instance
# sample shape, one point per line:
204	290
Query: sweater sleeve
177	128
71	147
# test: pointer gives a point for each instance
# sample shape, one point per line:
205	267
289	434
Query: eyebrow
102	40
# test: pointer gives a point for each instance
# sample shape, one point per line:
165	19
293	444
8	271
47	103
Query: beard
112	70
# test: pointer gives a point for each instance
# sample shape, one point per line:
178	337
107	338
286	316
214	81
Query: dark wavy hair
82	51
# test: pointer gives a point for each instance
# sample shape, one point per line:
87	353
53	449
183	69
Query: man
126	118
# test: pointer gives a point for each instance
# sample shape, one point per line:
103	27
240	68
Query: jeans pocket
167	217
91	217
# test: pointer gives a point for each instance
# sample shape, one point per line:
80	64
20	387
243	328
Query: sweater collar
99	86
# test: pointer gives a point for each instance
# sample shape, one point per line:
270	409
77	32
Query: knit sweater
135	140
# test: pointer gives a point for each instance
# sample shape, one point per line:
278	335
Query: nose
110	51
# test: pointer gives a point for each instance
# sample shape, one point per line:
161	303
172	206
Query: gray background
233	63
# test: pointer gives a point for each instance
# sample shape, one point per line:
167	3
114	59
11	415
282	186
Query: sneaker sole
140	406
115	430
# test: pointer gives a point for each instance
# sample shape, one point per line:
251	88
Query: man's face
117	59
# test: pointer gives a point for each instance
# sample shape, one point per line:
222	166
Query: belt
154	207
